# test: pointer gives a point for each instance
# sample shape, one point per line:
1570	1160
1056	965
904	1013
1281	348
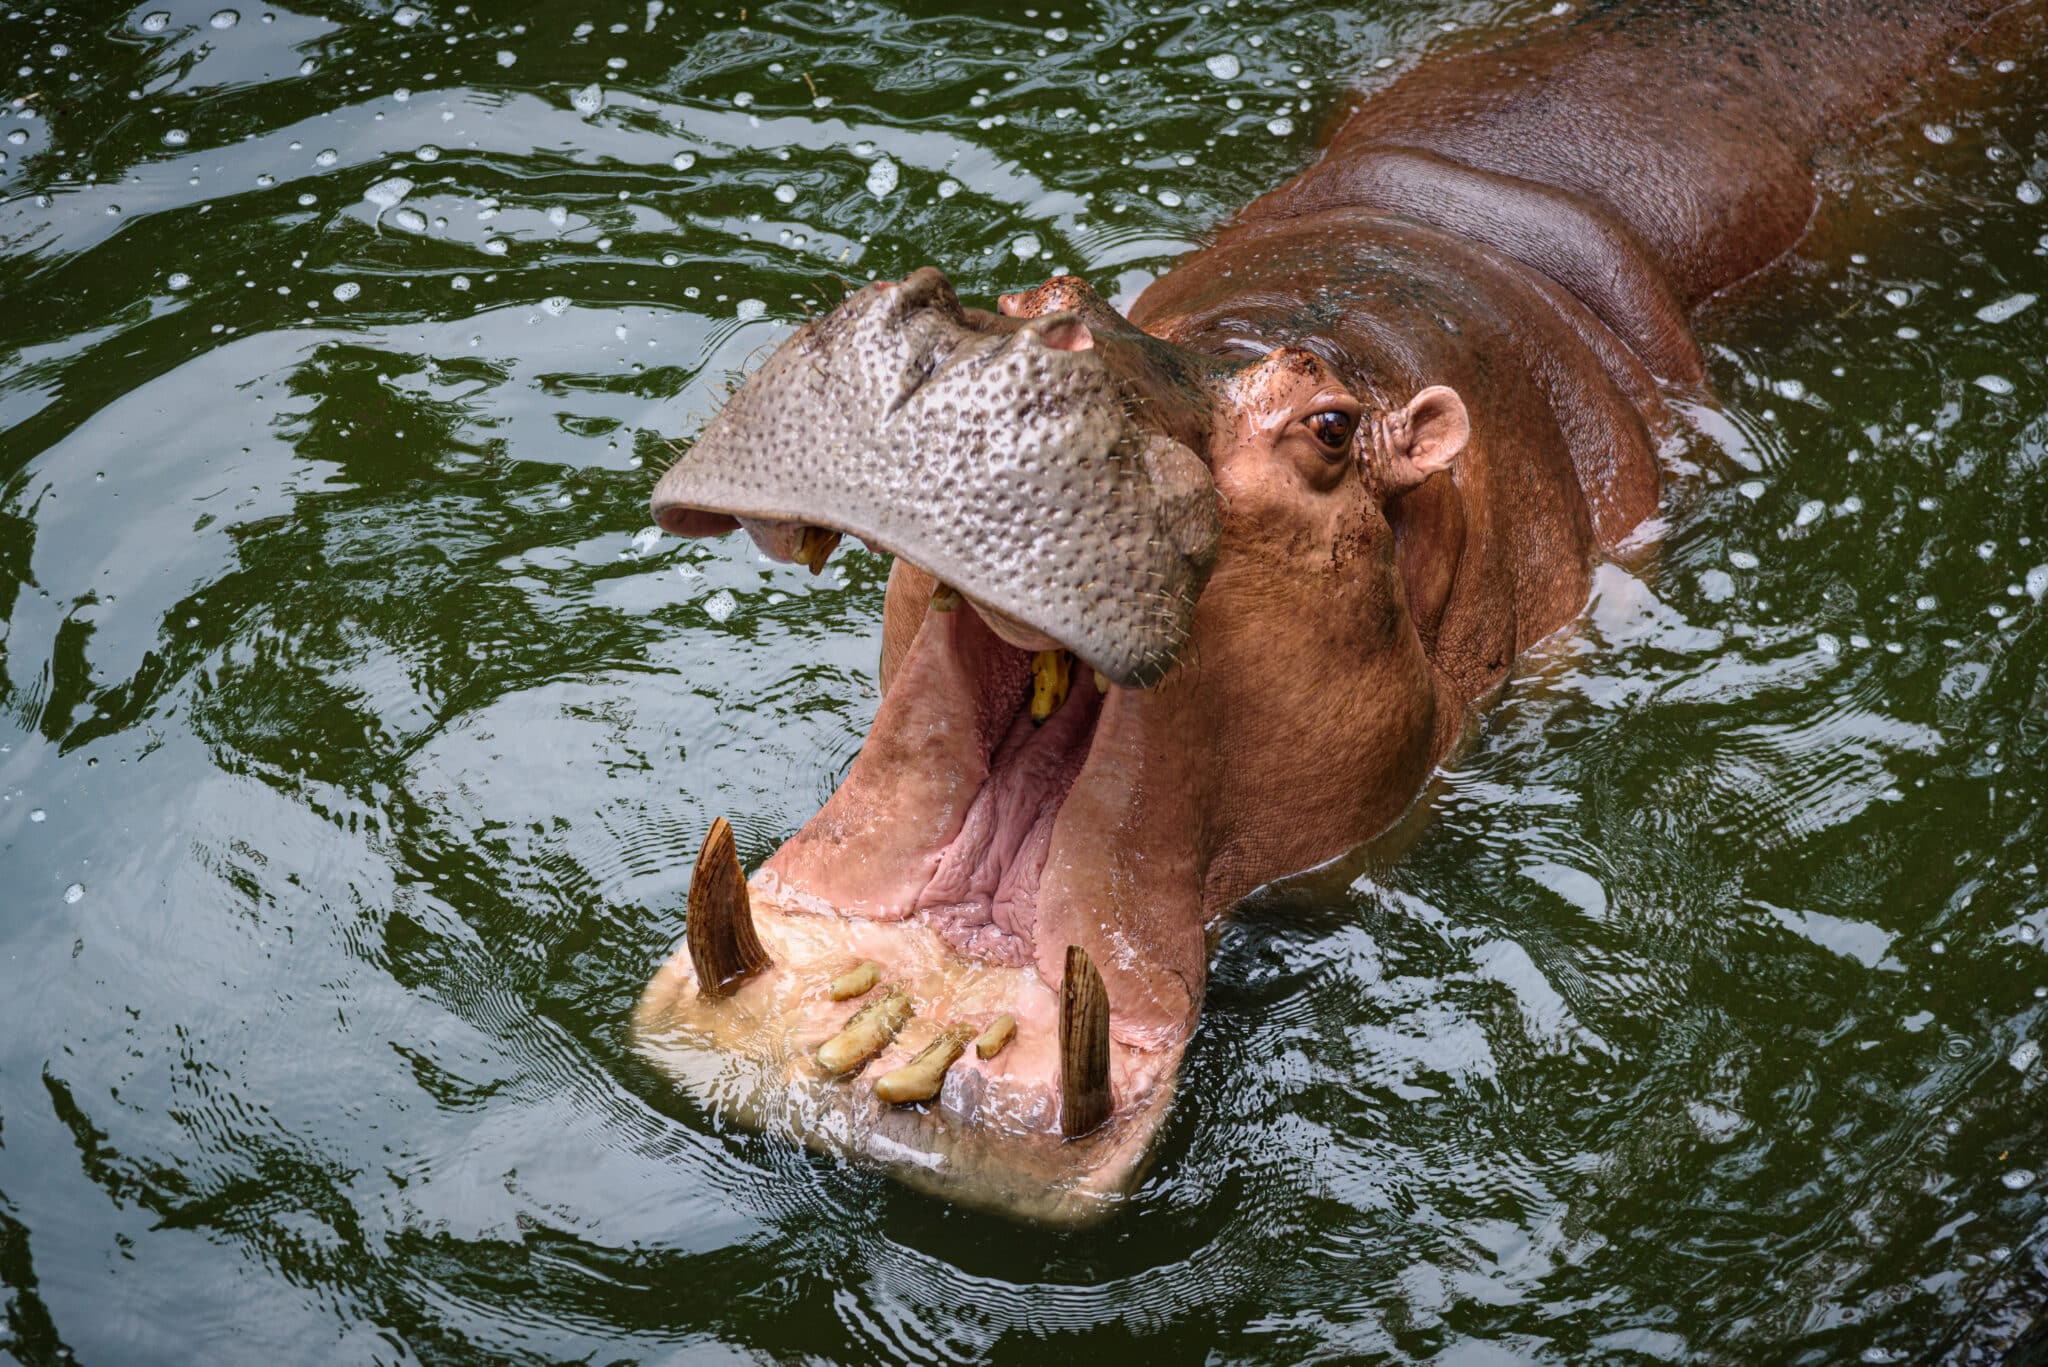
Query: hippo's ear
1423	438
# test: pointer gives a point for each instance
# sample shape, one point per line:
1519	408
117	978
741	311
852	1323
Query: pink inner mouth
982	898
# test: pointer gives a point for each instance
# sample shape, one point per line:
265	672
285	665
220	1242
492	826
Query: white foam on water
720	605
646	539
1810	512
750	309
2024	1056
347	290
226	18
683	161
588	100
387	193
1994	384
506	57
1224	66
883	178
1280	127
155	21
73	893
2019	1179
2037	582
1026	247
555	305
1999	310
412	220
405	16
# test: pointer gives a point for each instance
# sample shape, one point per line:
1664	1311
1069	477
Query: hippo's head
1145	647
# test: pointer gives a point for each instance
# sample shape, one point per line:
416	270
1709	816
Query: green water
352	739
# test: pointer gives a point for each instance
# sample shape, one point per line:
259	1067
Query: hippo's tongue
998	456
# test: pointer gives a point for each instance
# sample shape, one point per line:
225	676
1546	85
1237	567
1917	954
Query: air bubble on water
785	194
1827	644
1995	384
39	815
495	246
347	290
386	194
555	305
948	188
326	156
176	137
1937	132
646	539
428	152
460	282
308	67
412	220
1908	334
179	280
1169	199
2024	1055
683	161
1897	297
1280	127
1224	66
401	94
588	100
1056	35
615	63
2037	582
1026	247
2029	192
750	309
720	605
2018	1179
77	890
405	16
744	99
1751	489
1925	603
506	57
226	18
1743	560
558	216
670	259
155	21
266	180
2000	310
308	200
883	178
18	136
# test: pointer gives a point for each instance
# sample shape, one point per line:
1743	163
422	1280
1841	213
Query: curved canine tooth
1051	673
855	982
720	930
945	599
1084	1046
920	1079
997	1037
867	1034
1101	682
814	546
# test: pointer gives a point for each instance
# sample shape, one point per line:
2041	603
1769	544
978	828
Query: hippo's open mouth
908	920
999	848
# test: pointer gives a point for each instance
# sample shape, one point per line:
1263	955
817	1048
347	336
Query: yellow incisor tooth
1051	672
815	546
1101	682
997	1037
920	1079
856	982
945	599
867	1034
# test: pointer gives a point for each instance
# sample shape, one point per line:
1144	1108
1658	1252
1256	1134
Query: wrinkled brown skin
1491	264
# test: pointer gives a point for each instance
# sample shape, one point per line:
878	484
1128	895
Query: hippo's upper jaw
1000	455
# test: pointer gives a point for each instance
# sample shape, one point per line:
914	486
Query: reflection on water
356	727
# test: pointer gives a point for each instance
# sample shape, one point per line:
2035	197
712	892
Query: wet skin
1294	517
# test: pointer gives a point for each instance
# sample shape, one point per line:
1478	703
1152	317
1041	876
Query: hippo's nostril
1067	334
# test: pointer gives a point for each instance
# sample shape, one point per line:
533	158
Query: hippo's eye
1332	430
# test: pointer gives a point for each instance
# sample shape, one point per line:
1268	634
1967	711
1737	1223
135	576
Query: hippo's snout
999	454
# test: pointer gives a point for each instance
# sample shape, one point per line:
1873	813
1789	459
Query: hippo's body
1296	515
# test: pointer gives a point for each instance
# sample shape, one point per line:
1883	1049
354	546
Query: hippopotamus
1193	597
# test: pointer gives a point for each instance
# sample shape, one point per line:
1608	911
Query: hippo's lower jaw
963	856
992	1135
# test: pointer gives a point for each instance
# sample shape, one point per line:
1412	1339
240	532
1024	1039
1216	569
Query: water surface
355	728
